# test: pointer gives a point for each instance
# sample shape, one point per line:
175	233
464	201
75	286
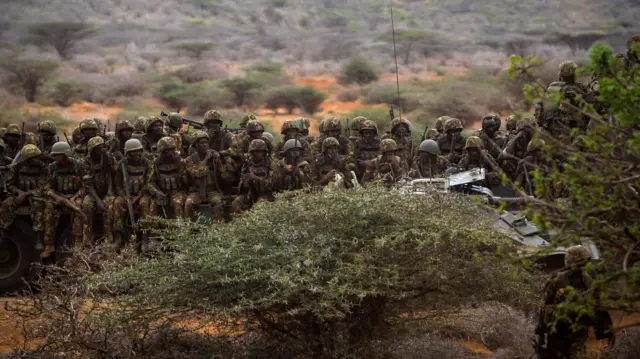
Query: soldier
432	134
477	157
219	140
76	136
124	131
428	163
290	130
304	125
566	333
510	126
4	170
440	124
329	167
356	126
517	148
293	168
168	179
366	146
174	129
64	185
258	177
452	143
89	130
132	189
206	172
401	133
139	126
101	129
632	57
253	131
388	167
533	160
154	132
244	120
268	137
98	168
492	140
46	136
12	141
26	179
332	127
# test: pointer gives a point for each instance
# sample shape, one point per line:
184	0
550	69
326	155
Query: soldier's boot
118	242
39	241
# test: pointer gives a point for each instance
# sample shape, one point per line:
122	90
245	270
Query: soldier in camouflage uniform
304	125
388	168
99	170
476	156
356	126
517	148
89	130
76	136
510	126
124	131
101	129
632	57
567	334
440	125
293	169
168	179
219	140
533	160
259	176
401	133
428	163
290	130
154	132
451	143
26	179
206	172
332	127
174	129
492	139
253	131
366	147
139	126
12	141
64	181
46	137
244	120
432	134
138	169
329	166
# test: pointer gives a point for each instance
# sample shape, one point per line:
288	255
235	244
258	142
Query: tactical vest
28	178
136	175
100	180
382	167
80	151
367	150
11	152
445	145
291	180
325	166
66	180
153	144
168	177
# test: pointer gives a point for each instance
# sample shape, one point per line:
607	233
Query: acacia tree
407	39
63	36
27	74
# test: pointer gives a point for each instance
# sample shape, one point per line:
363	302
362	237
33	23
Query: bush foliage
358	70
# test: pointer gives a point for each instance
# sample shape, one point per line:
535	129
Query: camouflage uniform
65	180
204	181
253	191
219	140
4	169
76	137
139	127
293	170
332	127
402	138
46	128
432	134
241	142
451	143
174	130
510	126
477	157
366	148
290	130
632	57
26	176
80	150
492	139
566	335
356	126
12	131
387	169
532	161
116	144
150	140
515	150
428	163
98	183
168	178
244	120
325	162
440	124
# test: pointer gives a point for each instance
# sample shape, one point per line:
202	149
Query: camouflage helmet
99	123
61	148
322	125
430	147
576	255
452	124
369	125
474	142
132	145
13	129
175	120
400	121
166	143
140	124
198	135
535	145
292	143
254	126
244	120
440	123
357	123
212	116
2	144
432	134
494	117
30	138
257	145
94	142
150	121
333	124
567	68
329	142
123	125
511	122
47	126
288	125
88	123
29	151
526	124
388	145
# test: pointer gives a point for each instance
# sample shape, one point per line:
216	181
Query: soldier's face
368	134
135	156
258	155
11	139
168	154
60	159
473	152
213	127
89	133
256	135
203	145
156	128
489	127
97	151
125	135
454	133
46	137
401	131
332	151
76	136
387	156
291	133
293	155
334	133
426	157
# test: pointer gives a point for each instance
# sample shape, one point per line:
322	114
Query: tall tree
407	39
27	74
63	36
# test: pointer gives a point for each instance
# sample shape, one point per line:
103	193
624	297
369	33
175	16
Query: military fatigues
365	151
204	185
99	176
323	164
4	172
24	178
66	181
170	179
293	177
387	172
492	145
428	169
253	192
346	146
138	176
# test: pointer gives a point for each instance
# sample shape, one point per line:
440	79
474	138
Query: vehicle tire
17	254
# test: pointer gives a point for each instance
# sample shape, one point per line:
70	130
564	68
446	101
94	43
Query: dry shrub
200	71
89	63
349	95
9	100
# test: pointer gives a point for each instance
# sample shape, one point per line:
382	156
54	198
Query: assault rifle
65	201
195	124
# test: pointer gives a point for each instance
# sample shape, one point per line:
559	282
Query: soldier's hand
100	206
23	195
161	195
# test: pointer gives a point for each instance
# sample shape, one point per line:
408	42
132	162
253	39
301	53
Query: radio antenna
395	58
